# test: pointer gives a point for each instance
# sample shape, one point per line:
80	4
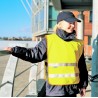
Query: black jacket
39	53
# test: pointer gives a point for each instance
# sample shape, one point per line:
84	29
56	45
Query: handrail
7	85
3	52
29	81
24	88
24	71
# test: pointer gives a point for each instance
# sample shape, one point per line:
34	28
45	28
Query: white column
33	84
80	26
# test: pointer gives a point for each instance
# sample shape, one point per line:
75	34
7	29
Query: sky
14	19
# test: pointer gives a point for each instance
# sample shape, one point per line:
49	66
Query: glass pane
89	40
52	23
90	16
52	16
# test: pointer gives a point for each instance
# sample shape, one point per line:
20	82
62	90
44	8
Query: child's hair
55	28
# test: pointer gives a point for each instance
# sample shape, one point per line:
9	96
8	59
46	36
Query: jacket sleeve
83	72
33	55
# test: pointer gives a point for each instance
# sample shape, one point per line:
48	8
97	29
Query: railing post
7	89
33	85
41	75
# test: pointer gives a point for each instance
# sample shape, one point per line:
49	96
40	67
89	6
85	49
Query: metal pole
80	26
94	85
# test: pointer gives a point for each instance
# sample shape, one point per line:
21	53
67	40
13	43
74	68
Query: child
67	73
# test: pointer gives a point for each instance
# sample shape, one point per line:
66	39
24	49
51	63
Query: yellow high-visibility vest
62	58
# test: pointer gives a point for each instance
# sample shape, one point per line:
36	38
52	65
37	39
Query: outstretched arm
34	55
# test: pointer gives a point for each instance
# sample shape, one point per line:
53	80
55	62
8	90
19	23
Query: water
4	43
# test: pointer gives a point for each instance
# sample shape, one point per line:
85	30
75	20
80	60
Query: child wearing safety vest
66	69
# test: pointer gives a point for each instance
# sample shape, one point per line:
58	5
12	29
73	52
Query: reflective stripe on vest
63	75
62	64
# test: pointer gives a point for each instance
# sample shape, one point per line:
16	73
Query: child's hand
83	92
9	49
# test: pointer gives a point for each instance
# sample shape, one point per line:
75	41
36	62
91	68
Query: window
52	16
90	16
89	40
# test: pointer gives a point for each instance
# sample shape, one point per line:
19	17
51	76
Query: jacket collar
66	36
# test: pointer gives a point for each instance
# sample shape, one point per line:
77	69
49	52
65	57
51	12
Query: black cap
67	16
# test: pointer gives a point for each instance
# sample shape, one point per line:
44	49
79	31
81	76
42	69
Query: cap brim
71	20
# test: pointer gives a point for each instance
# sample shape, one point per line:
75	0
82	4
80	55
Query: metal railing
17	95
7	85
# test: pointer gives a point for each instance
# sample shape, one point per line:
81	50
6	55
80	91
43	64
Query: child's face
68	27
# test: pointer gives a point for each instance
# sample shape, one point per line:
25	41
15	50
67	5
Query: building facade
44	19
87	32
